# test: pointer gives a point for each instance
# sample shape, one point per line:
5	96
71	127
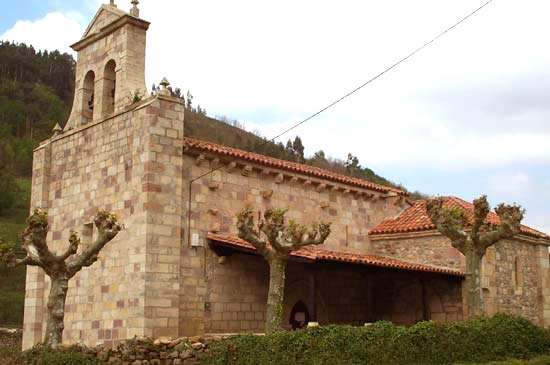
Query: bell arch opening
109	88
88	96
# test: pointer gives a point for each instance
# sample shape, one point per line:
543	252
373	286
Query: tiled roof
286	165
415	219
315	254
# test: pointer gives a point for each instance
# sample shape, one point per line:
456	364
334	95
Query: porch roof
318	255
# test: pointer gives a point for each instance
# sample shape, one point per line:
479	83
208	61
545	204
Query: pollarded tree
473	236
275	240
60	268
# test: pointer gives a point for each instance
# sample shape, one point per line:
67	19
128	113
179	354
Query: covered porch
327	287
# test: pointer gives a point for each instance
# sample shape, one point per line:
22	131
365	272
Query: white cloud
54	31
510	187
293	58
450	106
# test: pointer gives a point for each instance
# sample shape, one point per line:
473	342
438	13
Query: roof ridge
297	166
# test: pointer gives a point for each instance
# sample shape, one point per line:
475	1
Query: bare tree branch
56	267
34	239
107	227
273	226
74	242
481	210
510	224
316	236
283	239
245	225
449	221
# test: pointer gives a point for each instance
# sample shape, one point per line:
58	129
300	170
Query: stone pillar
161	189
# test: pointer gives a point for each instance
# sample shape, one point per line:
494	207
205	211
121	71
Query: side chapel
129	155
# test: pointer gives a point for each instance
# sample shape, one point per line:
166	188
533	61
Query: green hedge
478	340
42	356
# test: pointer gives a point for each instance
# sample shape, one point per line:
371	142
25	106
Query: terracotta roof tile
415	219
286	165
315	254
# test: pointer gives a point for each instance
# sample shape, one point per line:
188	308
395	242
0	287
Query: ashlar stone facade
165	274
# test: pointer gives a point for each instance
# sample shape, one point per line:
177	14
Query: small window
517	276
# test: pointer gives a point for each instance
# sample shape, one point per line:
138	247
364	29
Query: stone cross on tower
135	10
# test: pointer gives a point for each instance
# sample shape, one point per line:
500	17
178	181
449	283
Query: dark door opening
299	316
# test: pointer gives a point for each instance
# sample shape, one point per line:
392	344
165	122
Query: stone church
178	267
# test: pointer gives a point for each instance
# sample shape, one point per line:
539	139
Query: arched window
88	97
109	88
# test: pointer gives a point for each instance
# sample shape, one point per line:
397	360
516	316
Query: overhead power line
364	84
339	100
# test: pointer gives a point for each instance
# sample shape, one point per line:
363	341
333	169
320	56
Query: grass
12	282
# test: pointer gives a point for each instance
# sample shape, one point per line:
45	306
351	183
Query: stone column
161	190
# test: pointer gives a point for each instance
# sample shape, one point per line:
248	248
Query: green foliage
136	96
12	281
11	305
22	63
479	340
36	92
455	217
8	193
43	355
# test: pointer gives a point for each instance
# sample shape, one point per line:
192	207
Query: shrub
42	355
478	340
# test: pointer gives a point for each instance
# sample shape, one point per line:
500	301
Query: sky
467	116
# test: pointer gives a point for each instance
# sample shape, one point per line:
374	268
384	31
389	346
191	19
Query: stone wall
127	164
515	279
429	249
216	199
236	294
516	275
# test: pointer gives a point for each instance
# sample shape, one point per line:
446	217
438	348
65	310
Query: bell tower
110	68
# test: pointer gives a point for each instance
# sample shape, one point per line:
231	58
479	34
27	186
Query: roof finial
112	3
164	90
57	130
135	10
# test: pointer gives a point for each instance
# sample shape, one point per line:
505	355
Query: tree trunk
474	301
56	310
274	313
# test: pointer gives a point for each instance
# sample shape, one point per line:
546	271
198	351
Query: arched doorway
299	315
